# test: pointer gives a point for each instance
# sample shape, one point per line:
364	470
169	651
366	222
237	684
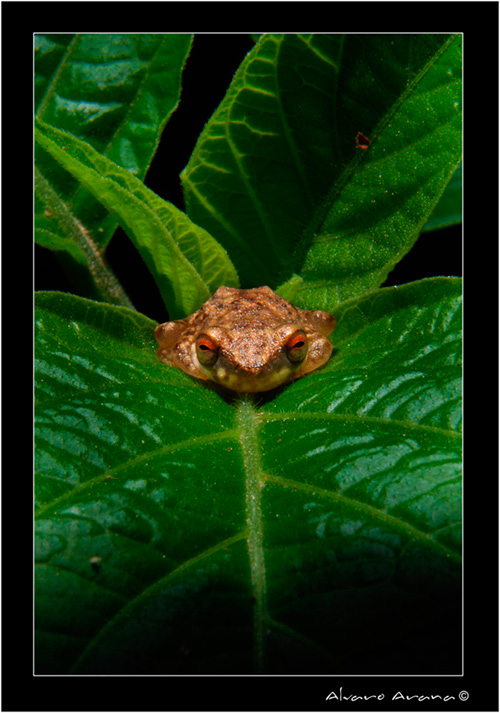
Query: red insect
362	142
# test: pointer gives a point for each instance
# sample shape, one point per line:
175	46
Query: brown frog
247	340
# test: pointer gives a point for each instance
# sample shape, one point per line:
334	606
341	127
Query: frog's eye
296	347
207	350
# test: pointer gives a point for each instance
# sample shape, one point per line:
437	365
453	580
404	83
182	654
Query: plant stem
80	242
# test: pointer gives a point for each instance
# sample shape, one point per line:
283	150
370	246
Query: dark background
208	72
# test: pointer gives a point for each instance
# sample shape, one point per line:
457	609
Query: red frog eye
296	347
207	350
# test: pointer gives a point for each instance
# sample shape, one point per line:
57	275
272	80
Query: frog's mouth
251	381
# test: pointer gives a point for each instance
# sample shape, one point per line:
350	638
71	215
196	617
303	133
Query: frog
247	340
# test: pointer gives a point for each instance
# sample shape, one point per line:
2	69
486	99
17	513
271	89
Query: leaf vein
414	533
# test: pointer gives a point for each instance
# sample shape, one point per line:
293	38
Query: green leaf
276	176
316	530
186	262
114	91
381	210
449	209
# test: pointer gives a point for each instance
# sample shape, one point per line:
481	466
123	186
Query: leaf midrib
249	421
248	424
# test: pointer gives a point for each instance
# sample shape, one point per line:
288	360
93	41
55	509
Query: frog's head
256	359
245	340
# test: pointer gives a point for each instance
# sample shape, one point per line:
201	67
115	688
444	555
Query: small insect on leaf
362	141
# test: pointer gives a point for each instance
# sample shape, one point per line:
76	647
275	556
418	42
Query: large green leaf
114	91
186	262
316	530
276	176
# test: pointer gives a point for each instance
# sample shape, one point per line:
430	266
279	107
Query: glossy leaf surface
316	530
114	91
